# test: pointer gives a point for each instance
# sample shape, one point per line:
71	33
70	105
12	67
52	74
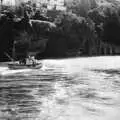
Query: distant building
13	2
8	2
57	4
88	3
49	4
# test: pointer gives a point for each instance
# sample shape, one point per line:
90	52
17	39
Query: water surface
66	89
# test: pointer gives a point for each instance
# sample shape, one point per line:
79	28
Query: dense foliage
107	23
84	29
78	31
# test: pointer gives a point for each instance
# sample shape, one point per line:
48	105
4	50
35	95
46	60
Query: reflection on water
71	89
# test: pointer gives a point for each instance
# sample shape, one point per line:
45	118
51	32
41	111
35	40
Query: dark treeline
76	32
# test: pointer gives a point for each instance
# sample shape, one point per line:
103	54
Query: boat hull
22	66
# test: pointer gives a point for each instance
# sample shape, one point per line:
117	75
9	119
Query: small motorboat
26	63
17	65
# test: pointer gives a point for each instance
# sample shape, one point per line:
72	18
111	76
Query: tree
107	23
81	7
78	31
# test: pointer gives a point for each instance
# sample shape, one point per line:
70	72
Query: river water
65	89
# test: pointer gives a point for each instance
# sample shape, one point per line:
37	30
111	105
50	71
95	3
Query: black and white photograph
59	59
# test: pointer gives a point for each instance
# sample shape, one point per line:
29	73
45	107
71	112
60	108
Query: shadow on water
112	75
108	71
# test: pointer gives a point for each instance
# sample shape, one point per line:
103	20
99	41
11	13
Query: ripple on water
63	90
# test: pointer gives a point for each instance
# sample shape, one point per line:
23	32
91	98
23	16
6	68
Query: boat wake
4	71
7	71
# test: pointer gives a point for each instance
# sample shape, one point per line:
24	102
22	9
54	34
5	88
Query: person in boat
22	61
31	60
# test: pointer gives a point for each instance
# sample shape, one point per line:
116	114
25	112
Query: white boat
14	65
18	65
